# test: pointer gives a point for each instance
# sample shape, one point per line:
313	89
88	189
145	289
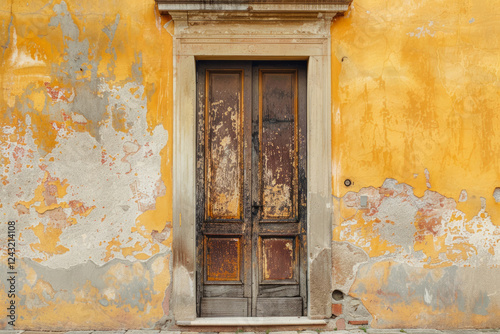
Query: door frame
215	36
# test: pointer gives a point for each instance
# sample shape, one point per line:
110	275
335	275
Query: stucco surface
86	155
416	129
85	149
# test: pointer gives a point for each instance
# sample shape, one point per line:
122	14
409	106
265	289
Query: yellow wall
85	149
86	152
416	92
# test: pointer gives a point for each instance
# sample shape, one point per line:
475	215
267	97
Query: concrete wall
86	152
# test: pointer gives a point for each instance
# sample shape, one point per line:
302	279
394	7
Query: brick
341	324
358	322
336	309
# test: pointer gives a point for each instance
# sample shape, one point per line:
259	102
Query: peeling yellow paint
49	239
415	91
414	98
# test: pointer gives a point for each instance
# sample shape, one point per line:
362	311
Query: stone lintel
255	6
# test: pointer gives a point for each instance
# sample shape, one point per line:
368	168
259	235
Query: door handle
256	208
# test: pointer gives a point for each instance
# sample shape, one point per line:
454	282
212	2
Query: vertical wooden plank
302	180
247	186
200	180
224	143
278	143
256	199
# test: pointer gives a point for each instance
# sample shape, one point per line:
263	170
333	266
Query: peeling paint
85	162
86	151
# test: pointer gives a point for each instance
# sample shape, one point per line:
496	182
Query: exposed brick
336	309
358	322
341	324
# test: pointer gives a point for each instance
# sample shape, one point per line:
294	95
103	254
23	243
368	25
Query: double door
251	189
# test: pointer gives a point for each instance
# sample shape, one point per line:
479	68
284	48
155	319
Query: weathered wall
85	151
416	128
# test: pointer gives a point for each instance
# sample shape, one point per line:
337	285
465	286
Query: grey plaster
110	30
355	310
89	101
76	161
468	289
496	194
481	303
7	43
398	215
135	291
137	68
346	259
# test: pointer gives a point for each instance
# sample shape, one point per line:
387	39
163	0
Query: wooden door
251	189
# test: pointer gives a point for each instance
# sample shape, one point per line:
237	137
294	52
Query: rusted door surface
251	189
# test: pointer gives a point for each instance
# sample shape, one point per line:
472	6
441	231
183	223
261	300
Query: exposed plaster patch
422	31
447	296
483	204
427	231
125	160
7	43
355	310
397	215
496	195
110	30
120	286
427	178
463	196
346	259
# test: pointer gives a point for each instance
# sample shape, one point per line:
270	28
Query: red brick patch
358	322
336	309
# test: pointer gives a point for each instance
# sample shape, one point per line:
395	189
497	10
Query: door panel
279	229
251	228
279	260
224	145
223	259
223	217
277	109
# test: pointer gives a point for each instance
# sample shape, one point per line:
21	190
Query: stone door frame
248	35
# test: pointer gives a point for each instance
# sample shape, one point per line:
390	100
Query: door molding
252	36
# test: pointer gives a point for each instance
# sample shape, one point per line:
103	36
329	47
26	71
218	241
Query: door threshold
251	321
